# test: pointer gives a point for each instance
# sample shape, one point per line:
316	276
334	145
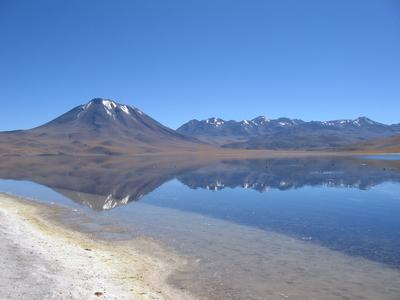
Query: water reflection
286	174
100	183
103	183
253	227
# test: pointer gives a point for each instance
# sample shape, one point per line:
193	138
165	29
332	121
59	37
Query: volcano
101	126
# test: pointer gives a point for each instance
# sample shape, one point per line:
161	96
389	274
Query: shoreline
215	153
45	260
48	256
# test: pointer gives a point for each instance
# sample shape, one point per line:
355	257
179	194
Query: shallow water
315	228
382	156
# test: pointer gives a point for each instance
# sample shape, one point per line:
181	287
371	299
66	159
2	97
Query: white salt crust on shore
41	261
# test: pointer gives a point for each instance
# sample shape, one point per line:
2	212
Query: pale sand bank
40	260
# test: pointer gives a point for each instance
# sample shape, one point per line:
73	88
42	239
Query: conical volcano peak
103	101
106	126
111	105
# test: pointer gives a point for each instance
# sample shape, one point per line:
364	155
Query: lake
274	228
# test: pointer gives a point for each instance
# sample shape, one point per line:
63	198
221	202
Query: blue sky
179	60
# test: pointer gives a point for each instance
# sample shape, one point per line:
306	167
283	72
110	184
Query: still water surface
324	228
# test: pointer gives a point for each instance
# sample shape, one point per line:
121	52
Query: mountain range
105	127
285	133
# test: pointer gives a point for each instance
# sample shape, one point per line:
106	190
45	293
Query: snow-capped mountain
104	117
262	123
100	126
285	133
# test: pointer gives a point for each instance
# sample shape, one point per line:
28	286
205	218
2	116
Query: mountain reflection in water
104	183
317	199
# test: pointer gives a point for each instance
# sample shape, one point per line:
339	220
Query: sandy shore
45	259
42	260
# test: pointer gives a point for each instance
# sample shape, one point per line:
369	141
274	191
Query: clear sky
179	60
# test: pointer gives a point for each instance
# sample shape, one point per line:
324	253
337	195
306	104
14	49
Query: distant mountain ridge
285	133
